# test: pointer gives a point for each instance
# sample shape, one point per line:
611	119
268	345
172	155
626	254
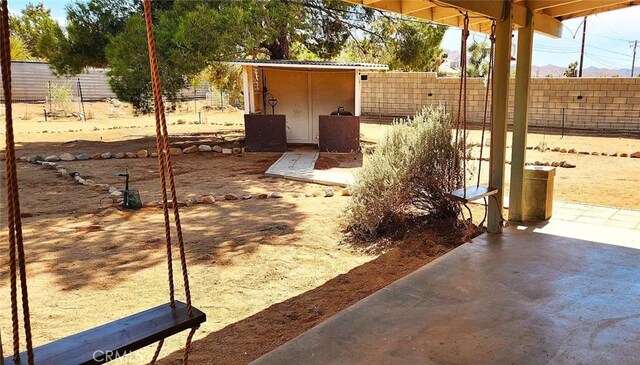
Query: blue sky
608	36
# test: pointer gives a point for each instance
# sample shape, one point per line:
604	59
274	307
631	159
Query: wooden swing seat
472	193
118	338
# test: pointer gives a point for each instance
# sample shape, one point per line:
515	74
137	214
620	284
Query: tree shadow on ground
70	237
254	336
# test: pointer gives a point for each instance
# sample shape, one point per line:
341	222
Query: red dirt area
254	336
328	161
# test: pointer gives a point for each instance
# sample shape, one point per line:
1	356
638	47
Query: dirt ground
264	271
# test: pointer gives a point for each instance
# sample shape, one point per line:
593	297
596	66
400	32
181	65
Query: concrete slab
299	165
529	296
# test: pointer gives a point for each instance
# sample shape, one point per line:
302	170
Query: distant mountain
591	71
558	71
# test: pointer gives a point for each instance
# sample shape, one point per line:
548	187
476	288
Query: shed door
290	88
330	90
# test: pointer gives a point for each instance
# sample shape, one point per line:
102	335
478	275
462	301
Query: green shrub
411	169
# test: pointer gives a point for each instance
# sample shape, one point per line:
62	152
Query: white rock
52	158
217	148
102	188
175	151
276	195
204	148
328	193
227	151
119	155
106	155
67	157
116	194
190	149
143	153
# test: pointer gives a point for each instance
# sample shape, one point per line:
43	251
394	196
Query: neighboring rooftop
311	64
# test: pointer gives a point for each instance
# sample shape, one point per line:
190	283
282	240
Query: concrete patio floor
564	293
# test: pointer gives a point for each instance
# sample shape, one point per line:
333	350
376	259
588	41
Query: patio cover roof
310	64
548	14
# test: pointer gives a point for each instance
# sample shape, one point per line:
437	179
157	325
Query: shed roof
311	64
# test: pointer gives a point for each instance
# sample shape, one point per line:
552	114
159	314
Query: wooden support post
1	354
500	95
247	90
520	118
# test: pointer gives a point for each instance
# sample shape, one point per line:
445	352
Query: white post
520	118
247	89
358	95
500	101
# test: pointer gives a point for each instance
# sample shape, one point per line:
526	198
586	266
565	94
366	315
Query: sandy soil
89	265
264	271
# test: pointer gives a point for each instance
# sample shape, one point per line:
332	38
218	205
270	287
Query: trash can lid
540	172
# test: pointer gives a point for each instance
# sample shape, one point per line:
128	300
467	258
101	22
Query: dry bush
61	98
411	169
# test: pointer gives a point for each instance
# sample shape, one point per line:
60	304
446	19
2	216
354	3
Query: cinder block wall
587	103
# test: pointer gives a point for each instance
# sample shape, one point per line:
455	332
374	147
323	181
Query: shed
295	94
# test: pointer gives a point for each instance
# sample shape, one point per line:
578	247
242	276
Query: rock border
174	151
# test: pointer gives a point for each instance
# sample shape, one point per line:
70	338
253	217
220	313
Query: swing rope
16	244
17	261
166	168
458	179
488	114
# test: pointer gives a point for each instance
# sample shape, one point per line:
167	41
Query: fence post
84	115
1	355
562	134
195	101
49	94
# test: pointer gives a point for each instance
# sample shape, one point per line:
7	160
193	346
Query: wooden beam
493	9
387	5
600	10
500	103
536	5
581	7
520	119
436	14
412	6
544	24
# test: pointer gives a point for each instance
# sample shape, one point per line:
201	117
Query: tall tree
35	28
478	59
90	26
572	70
405	45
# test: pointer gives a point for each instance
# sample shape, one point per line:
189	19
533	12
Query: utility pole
584	34
633	44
